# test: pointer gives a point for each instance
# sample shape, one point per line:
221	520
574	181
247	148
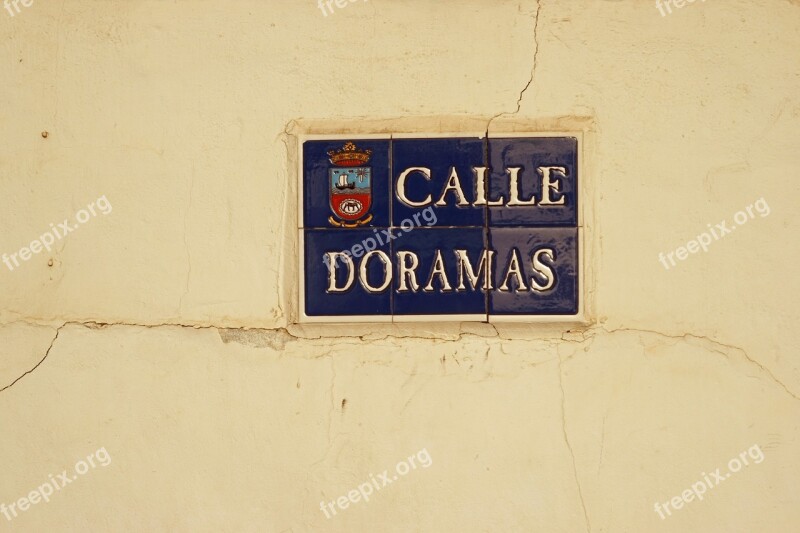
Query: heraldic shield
350	186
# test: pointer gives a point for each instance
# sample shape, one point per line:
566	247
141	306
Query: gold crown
349	156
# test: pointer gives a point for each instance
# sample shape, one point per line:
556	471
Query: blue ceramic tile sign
401	228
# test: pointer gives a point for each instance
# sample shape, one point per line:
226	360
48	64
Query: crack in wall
278	338
331	437
712	345
569	446
533	68
186	243
46	354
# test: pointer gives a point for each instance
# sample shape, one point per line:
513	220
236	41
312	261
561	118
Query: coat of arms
350	186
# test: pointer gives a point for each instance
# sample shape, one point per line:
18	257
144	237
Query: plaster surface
164	331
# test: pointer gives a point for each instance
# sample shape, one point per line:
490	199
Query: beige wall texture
151	374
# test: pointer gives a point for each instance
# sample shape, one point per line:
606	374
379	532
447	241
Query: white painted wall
220	415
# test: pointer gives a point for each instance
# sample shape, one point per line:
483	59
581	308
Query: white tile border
479	317
464	134
585	211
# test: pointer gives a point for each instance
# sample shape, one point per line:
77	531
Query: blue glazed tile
346	297
440	156
528	155
429	293
556	251
352	199
346	183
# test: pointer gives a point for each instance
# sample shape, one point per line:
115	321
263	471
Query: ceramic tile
547	262
358	287
346	183
548	161
413	192
359	195
427	279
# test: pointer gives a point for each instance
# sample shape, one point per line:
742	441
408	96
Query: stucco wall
162	331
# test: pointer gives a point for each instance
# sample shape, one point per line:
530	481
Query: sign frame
584	231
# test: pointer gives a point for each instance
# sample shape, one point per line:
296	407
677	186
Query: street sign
400	228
